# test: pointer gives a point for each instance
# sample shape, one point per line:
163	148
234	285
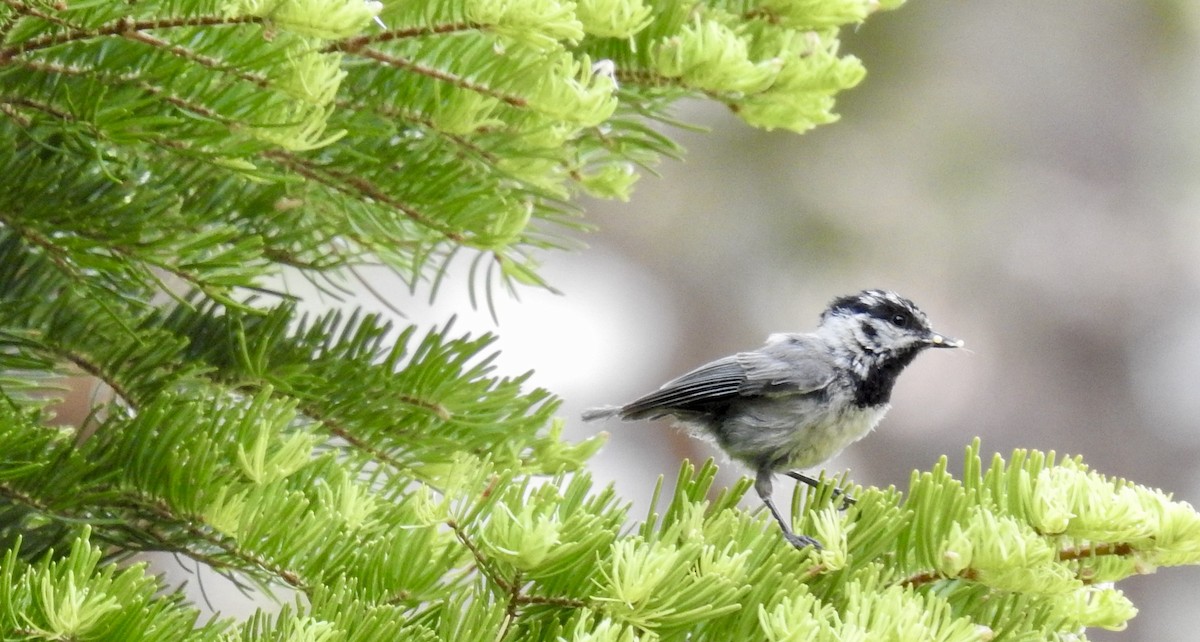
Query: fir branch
512	588
544	600
358	187
24	9
269	447
377	454
186	105
61	256
24	498
1121	549
194	525
94	370
16	116
481	560
192	56
929	577
644	78
393	112
125	27
438	74
1064	555
132	79
512	607
9	102
357	43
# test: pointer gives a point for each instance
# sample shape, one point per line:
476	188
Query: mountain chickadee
801	398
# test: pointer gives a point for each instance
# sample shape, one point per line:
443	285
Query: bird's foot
802	541
847	500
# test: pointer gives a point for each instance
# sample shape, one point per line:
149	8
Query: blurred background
1027	172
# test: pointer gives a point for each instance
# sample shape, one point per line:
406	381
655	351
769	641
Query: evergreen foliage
160	159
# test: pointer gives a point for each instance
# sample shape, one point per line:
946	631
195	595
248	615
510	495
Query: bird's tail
602	412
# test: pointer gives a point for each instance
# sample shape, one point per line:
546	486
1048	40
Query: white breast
792	433
828	438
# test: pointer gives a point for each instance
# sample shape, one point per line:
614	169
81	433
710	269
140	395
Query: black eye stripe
878	304
888	311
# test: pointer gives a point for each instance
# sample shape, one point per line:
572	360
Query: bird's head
881	324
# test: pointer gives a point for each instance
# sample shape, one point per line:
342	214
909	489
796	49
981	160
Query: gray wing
788	364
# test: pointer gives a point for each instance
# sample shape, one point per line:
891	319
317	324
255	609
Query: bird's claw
802	541
847	501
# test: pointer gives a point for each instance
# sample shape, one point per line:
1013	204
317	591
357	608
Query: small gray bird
801	398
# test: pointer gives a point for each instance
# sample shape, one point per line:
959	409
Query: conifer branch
125	27
192	56
512	588
1064	555
438	74
357	43
393	112
61	256
25	9
94	370
22	498
358	187
1120	549
481	560
10	102
928	577
654	80
21	120
192	524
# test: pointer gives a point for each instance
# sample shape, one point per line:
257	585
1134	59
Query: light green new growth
162	159
490	555
344	128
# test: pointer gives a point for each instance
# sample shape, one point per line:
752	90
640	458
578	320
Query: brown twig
438	74
353	45
1065	555
357	186
1070	554
125	27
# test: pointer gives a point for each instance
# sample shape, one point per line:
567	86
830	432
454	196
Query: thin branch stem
125	27
480	560
1120	549
21	119
512	588
99	373
656	80
21	101
359	187
512	609
1066	555
438	74
202	60
192	524
393	113
357	43
921	579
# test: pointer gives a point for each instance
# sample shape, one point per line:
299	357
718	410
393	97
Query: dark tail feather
603	412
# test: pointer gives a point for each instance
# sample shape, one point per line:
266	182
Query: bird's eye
899	320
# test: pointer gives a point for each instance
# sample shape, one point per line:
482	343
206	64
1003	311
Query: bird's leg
763	485
801	477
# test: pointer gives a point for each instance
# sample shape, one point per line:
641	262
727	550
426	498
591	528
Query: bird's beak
936	340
